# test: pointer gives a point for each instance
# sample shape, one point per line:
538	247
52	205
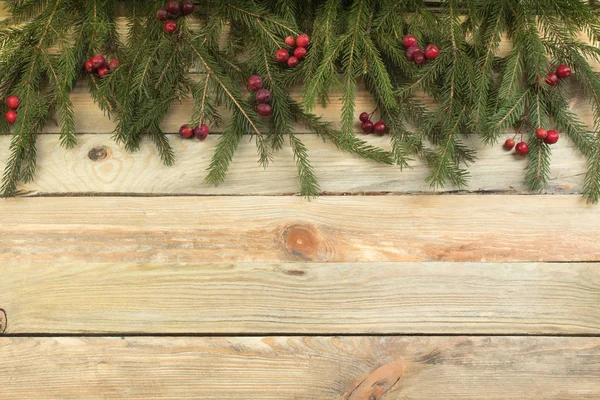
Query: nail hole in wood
98	153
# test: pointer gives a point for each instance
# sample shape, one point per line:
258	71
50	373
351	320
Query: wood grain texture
390	298
354	368
330	229
98	165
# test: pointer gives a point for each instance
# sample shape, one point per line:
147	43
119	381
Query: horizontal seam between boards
287	334
25	194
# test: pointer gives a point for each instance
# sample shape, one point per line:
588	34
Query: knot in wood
3	320
301	242
98	153
377	383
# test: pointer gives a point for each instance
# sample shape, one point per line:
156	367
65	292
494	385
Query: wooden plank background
264	368
125	279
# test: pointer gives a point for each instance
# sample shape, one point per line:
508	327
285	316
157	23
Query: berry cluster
367	125
13	103
522	148
416	54
200	132
263	96
299	44
550	137
173	9
98	65
562	72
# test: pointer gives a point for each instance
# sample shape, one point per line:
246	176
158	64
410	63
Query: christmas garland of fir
211	50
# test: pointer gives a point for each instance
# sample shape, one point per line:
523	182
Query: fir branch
162	144
262	17
224	151
354	146
444	162
308	179
568	122
484	73
538	166
591	186
322	34
243	112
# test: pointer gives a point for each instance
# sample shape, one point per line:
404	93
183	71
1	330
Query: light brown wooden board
353	368
98	165
330	229
90	119
391	298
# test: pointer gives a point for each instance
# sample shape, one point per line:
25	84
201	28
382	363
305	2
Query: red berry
173	7
264	109
432	52
185	131
162	14
254	82
509	144
98	62
187	7
290	41
201	132
282	55
13	102
552	79
412	51
263	96
552	137
563	71
300	52
522	148
170	26
364	117
102	72
419	58
541	133
379	128
409	40
303	40
89	66
11	116
292	62
367	126
114	64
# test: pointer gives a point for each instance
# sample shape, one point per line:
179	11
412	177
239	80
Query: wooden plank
99	165
330	229
364	298
352	368
90	119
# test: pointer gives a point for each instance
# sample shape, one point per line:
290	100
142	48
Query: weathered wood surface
363	298
329	229
281	265
352	368
99	165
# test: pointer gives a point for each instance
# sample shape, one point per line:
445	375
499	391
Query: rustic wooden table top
125	279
